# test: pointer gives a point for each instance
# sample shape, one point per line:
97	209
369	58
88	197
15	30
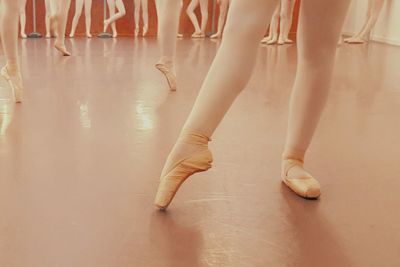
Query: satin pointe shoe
169	75
305	186
173	178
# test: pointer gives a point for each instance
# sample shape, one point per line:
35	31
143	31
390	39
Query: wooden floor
80	161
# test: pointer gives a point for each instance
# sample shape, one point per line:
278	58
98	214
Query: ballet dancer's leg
273	27
59	21
168	30
47	19
190	12
223	11
316	56
137	4
78	12
204	16
375	8
9	38
145	16
286	21
244	28
114	16
88	17
22	17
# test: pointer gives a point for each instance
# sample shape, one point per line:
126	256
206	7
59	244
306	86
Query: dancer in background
11	72
145	16
281	18
114	16
22	17
168	17
238	50
223	11
374	9
88	17
58	22
199	31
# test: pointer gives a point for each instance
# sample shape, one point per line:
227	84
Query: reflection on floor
80	160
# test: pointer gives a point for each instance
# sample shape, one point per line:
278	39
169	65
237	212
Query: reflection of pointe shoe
181	170
15	83
169	75
302	184
23	35
62	49
216	36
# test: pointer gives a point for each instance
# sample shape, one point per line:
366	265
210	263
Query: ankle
193	138
12	68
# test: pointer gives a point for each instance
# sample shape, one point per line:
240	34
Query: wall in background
387	28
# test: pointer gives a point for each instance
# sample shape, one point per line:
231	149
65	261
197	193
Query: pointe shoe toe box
307	187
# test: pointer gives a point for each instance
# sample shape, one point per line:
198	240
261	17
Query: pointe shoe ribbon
16	85
197	162
305	186
169	75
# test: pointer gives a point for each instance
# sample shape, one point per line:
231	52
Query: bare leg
9	38
145	16
375	8
22	17
114	16
316	56
223	11
190	12
78	12
286	15
59	21
168	30
244	29
88	17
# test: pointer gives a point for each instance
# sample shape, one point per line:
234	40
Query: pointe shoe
199	161
88	35
265	40
115	35
23	35
215	36
271	42
136	32
145	30
169	75
15	84
198	35
71	35
354	40
62	50
305	186
179	35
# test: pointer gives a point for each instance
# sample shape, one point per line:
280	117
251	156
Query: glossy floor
80	161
